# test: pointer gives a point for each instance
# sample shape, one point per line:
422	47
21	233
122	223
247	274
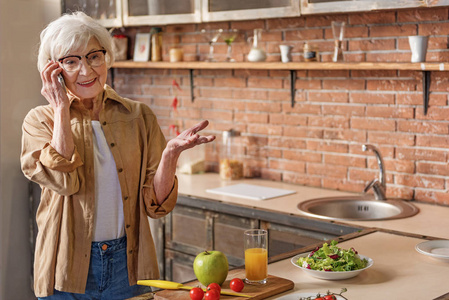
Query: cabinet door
219	10
107	12
228	236
179	266
160	12
335	6
282	239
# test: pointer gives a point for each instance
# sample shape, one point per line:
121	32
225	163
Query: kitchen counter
432	220
399	271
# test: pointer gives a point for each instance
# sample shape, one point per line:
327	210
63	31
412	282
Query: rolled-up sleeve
41	163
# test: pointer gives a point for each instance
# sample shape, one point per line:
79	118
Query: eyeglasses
72	63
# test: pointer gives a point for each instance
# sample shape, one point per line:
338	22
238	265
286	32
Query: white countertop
432	220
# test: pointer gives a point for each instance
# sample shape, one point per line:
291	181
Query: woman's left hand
190	138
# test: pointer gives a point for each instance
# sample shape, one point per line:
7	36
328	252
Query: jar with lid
156	44
231	163
310	52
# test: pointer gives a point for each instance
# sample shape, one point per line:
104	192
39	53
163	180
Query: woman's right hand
52	89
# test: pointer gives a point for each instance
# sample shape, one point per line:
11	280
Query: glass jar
156	44
231	163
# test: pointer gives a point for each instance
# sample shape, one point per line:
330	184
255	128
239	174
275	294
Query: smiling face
88	82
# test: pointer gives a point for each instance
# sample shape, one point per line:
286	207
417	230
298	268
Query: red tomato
196	293
212	295
330	297
214	286
320	298
237	285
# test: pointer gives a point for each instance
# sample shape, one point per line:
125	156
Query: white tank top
109	221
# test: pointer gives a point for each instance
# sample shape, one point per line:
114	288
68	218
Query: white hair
72	32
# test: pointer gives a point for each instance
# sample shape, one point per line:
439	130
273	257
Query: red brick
373	124
344	110
393	30
434	197
287	165
392	85
284	23
339	97
287	119
372	45
432	141
433	28
423	127
326	170
342	184
403	166
304	34
230	82
378	17
286	142
296	131
344	160
419	15
327	146
261	106
406	193
302	156
418	180
421	154
432	168
354	84
251	117
371	97
388	57
391	138
302	179
329	121
266	83
346	135
389	112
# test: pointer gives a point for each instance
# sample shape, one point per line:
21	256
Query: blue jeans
108	275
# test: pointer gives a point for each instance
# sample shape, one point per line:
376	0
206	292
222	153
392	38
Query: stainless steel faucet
377	184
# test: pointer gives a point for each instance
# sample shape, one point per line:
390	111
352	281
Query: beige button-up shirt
65	217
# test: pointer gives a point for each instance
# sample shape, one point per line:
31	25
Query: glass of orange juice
256	256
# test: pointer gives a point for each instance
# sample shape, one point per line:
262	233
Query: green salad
332	258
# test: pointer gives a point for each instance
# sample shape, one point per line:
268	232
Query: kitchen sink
357	208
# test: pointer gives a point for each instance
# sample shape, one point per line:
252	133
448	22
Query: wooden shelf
200	65
425	68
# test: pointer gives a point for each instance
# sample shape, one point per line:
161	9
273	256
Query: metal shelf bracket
426	89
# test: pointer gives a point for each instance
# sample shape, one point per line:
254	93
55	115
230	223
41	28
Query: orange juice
256	264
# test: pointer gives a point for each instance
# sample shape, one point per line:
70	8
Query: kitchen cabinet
107	12
157	12
219	10
338	6
196	225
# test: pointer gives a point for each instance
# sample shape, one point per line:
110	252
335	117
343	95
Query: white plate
296	296
331	275
438	249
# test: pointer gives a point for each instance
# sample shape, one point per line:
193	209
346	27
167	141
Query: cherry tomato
196	293
330	297
214	286
237	285
212	295
320	298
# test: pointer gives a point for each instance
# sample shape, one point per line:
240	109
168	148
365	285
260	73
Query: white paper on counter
250	191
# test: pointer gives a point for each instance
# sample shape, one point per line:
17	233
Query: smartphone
61	81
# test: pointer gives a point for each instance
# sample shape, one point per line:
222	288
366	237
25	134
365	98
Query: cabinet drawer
282	239
179	266
228	236
187	230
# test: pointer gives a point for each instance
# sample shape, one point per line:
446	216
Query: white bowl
331	275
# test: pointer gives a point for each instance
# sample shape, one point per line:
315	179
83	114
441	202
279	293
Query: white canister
286	53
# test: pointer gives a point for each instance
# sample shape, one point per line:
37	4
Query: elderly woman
103	165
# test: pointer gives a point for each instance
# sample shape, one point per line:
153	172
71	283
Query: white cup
286	53
418	45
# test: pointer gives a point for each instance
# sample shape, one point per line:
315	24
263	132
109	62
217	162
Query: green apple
211	266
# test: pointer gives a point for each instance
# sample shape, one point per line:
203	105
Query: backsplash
318	142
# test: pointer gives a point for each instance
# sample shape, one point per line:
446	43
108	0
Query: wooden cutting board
275	285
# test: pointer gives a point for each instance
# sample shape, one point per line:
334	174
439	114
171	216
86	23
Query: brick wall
319	141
